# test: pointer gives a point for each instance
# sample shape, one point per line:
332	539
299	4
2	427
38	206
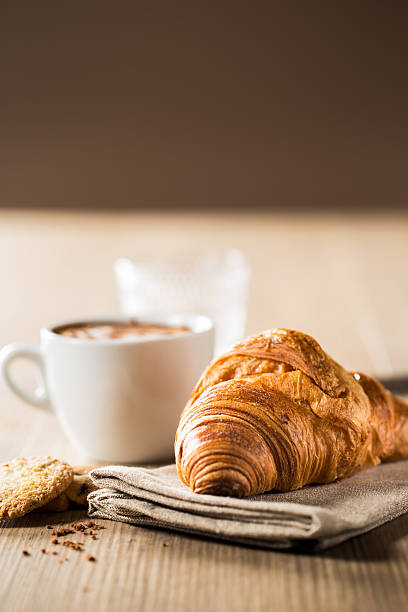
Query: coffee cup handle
11	352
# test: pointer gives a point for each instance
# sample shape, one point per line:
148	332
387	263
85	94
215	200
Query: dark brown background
269	105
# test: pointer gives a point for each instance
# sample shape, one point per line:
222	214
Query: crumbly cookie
59	504
27	483
76	493
81	486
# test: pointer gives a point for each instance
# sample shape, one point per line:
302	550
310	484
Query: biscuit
59	504
76	493
80	487
27	483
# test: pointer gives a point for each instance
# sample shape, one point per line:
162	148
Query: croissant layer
277	413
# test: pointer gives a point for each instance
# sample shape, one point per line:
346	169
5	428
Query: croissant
277	413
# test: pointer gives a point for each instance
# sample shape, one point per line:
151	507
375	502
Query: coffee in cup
119	391
114	330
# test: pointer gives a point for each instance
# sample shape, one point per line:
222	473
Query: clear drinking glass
214	283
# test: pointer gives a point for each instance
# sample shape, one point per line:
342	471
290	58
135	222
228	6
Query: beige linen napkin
315	517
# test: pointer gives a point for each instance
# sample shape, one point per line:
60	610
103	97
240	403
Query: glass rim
202	264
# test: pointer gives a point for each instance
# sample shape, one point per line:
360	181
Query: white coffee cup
118	400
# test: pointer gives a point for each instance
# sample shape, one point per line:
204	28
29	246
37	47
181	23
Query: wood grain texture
342	280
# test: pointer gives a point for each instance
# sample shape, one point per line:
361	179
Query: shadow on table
380	544
377	545
41	519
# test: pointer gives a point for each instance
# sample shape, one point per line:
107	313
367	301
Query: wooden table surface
342	279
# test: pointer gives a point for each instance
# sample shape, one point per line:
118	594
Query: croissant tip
222	482
222	489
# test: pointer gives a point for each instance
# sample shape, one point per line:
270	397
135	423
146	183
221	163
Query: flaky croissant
277	413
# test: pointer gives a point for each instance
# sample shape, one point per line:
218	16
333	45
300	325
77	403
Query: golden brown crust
277	413
29	483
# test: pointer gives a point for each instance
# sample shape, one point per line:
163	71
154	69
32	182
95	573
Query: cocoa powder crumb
49	527
95	526
54	552
54	541
94	537
78	526
86	528
61	532
43	550
90	557
73	545
25	553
